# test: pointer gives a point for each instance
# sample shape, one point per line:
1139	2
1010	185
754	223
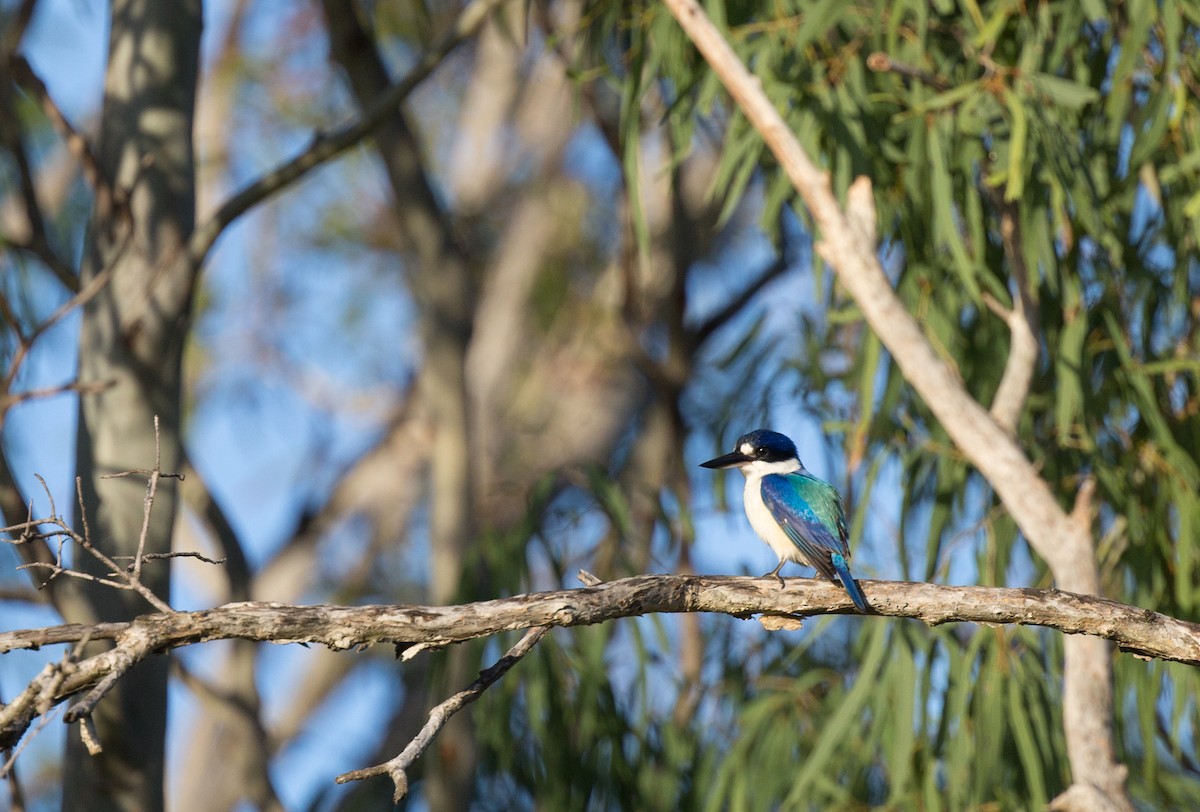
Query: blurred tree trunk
441	283
133	335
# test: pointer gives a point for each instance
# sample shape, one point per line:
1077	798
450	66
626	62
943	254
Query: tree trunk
132	336
443	288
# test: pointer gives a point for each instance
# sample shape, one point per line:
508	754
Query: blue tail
849	584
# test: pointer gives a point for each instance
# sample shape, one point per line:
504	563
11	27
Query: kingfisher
799	516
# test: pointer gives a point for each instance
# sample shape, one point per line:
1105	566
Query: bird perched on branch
799	516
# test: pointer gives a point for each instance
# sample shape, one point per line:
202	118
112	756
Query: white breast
764	524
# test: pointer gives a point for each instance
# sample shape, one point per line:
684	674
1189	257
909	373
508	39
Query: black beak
730	460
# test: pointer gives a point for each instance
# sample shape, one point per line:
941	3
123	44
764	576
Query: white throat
760	468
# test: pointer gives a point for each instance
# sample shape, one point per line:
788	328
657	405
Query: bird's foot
775	574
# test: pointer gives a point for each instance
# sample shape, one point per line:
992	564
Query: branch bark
1065	545
417	628
1137	631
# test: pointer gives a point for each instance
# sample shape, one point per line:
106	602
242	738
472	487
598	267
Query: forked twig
127	577
438	717
25	342
397	767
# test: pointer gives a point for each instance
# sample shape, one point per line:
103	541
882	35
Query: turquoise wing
826	503
810	512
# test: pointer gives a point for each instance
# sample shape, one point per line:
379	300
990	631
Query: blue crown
767	445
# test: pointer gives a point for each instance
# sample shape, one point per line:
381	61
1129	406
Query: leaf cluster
1078	123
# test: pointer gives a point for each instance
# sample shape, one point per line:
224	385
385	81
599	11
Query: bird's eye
762	449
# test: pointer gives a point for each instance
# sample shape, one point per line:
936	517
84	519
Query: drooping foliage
1049	152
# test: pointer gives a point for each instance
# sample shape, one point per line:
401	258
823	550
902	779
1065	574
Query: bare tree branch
1021	320
1138	631
329	145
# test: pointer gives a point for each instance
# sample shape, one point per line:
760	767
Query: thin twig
87	732
94	286
49	497
85	706
128	581
438	717
83	517
30	530
16	793
8	768
7	401
882	63
58	569
148	504
175	554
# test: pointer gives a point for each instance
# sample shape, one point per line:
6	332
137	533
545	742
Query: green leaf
818	18
898	700
945	224
1026	741
950	98
1064	92
842	720
995	25
1016	146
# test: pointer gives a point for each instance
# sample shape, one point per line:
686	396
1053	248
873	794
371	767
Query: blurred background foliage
639	288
